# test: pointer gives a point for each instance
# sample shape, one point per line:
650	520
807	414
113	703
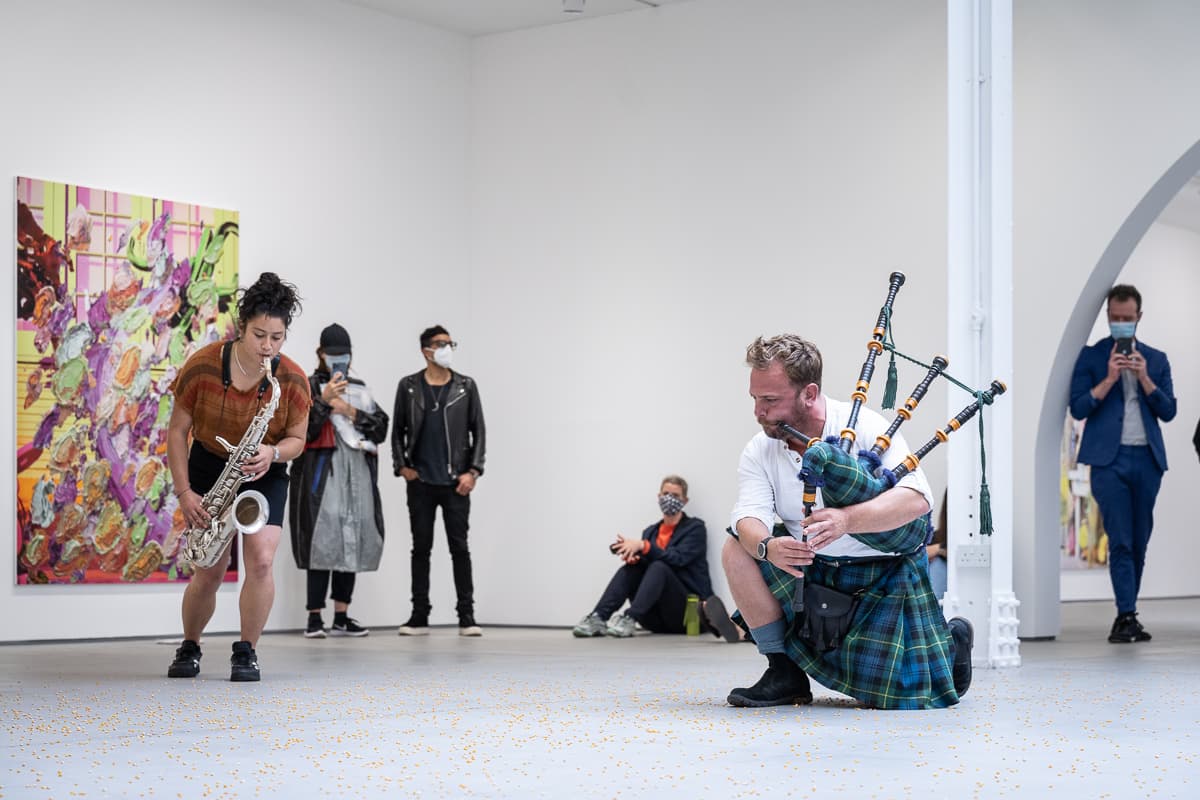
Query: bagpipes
846	479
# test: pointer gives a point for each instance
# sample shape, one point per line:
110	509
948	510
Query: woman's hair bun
270	295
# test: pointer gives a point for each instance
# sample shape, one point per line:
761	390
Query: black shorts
204	468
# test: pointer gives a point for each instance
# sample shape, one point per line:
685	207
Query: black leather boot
784	683
963	634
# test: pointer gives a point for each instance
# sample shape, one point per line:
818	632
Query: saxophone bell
249	512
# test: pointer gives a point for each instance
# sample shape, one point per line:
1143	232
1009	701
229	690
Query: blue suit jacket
1102	434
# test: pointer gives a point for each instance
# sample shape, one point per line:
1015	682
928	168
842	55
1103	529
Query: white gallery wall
650	191
340	136
1103	107
1165	268
604	213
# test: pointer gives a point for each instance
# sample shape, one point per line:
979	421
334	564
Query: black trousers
424	499
318	583
658	599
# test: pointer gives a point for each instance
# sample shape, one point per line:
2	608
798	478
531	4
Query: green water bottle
691	616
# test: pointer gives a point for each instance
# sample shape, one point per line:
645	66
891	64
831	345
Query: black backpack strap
226	379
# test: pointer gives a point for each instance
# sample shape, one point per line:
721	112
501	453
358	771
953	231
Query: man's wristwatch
762	548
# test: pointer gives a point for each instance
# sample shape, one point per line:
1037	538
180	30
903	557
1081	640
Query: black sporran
827	616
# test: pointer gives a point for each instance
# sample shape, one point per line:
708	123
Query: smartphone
1125	346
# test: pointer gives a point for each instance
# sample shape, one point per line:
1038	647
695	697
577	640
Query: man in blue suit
1122	388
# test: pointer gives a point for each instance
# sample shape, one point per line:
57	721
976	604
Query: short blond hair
800	358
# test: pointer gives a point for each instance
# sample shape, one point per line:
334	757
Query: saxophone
229	511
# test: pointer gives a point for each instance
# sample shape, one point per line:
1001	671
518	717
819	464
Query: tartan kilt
897	654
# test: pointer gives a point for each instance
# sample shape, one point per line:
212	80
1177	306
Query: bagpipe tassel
889	388
985	510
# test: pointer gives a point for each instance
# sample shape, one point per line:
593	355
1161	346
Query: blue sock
769	637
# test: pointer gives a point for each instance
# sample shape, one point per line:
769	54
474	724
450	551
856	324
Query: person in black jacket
328	487
664	566
438	447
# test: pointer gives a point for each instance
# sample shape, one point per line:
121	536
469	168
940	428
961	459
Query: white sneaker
589	626
621	626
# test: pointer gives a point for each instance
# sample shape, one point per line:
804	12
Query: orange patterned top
227	412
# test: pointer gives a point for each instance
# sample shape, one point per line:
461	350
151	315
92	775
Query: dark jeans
1125	490
318	582
658	598
423	502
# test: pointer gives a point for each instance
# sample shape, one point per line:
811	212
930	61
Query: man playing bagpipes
872	628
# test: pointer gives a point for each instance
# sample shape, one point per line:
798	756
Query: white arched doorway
1050	421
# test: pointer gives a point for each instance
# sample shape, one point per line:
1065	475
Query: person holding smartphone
336	525
1122	387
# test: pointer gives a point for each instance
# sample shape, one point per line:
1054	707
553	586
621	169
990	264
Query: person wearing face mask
661	568
336	523
1122	388
439	447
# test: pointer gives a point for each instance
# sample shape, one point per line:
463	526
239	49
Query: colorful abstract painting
114	291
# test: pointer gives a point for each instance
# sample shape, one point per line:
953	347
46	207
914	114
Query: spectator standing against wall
336	511
1122	388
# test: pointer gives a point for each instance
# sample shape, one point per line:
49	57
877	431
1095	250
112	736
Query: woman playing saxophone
220	396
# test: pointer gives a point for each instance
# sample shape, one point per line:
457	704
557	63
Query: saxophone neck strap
227	378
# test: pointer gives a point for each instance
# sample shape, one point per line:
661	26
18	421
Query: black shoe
346	626
187	661
467	626
316	627
963	634
417	625
243	664
718	620
784	683
1126	629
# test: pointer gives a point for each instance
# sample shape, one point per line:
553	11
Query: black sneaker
963	634
416	626
243	664
316	627
467	626
784	683
347	627
1127	629
718	620
187	661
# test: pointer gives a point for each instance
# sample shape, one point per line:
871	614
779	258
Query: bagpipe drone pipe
845	479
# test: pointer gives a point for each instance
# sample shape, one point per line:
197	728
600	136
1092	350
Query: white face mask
443	356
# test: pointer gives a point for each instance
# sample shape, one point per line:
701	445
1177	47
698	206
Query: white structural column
979	319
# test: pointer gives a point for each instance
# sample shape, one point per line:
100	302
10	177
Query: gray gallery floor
534	713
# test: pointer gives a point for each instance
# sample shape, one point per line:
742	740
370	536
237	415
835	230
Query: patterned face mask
670	504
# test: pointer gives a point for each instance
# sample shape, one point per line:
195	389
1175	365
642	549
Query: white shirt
769	489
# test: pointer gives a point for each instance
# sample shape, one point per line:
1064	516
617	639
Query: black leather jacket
463	412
